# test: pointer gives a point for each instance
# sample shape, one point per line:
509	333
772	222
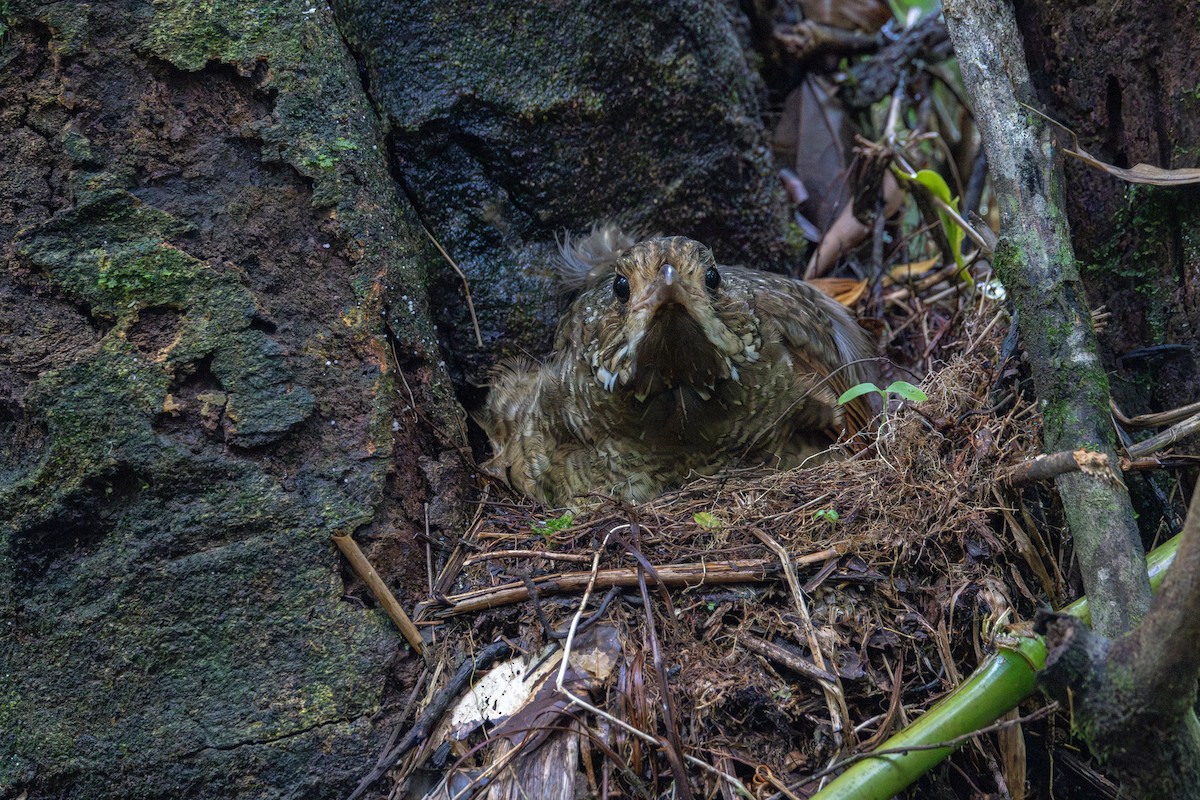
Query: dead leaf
813	135
863	15
1011	742
847	232
1138	173
903	273
846	291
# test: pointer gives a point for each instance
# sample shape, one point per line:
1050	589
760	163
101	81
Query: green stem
998	686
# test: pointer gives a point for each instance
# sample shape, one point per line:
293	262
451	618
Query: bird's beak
666	289
668	274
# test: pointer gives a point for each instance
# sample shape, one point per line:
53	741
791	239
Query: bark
1036	262
1133	699
1122	77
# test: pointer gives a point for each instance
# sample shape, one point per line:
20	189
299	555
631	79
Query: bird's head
667	322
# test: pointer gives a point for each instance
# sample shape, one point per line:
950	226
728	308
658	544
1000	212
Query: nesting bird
667	364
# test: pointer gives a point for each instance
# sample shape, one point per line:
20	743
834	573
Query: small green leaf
830	515
907	391
554	524
954	232
857	391
935	183
707	521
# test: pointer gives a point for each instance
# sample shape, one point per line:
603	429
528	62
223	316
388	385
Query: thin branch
1049	466
751	570
479	662
785	657
466	285
1166	438
1156	420
383	595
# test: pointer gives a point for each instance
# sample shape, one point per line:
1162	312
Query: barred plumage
668	364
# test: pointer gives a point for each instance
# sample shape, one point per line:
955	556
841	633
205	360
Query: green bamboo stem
999	685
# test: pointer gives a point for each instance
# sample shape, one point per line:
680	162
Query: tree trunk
1131	691
1133	698
1036	262
1123	78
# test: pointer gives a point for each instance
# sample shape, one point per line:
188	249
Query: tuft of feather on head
588	260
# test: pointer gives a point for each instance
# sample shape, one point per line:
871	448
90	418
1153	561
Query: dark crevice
360	63
1161	134
1115	130
261	323
271	740
78	527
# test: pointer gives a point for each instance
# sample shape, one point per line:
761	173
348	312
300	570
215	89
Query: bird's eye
712	279
621	288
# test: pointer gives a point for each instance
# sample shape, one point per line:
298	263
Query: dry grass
881	570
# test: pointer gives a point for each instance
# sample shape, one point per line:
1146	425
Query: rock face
513	121
206	275
215	332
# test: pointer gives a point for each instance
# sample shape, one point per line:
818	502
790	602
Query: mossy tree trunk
1036	260
1123	78
207	282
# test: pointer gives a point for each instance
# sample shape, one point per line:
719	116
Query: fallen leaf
846	291
1139	173
903	273
864	15
813	135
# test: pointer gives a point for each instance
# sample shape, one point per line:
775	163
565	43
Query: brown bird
667	364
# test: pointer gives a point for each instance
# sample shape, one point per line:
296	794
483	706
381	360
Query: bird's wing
823	340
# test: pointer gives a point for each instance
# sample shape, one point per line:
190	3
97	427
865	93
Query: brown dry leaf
1138	173
903	273
863	15
846	291
1011	742
814	136
847	233
1024	546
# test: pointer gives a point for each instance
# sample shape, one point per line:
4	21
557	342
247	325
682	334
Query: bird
667	365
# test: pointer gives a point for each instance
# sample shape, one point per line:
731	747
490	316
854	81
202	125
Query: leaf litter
753	626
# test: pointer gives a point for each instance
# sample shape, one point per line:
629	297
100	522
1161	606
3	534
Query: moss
1141	242
96	417
71	23
110	252
1006	261
191	34
179	597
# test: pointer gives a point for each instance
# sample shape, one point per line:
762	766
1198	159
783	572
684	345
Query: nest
742	633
